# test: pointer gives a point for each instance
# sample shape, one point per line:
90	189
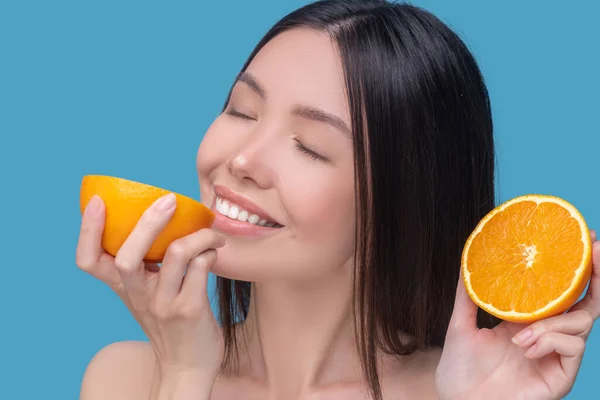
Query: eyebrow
319	115
311	113
253	84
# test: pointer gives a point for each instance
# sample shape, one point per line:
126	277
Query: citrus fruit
528	259
127	200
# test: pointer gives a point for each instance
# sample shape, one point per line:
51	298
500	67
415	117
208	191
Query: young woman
352	159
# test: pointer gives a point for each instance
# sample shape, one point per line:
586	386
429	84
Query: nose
250	163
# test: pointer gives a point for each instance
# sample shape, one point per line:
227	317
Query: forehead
302	66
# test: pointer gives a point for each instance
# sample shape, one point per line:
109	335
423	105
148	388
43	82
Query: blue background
128	88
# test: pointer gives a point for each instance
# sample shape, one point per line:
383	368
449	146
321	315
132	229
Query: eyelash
309	152
236	113
299	145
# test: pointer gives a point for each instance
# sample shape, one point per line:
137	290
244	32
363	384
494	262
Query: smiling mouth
237	213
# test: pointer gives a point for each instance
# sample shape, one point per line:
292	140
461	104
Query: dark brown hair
424	171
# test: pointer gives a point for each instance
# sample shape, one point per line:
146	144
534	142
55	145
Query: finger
129	258
178	256
578	323
593	235
464	316
89	246
591	300
196	277
570	348
89	255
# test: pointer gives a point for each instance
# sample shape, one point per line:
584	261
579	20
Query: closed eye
309	152
235	113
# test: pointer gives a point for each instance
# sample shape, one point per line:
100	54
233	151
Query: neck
302	336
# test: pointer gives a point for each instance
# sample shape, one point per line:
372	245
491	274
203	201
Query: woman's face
277	165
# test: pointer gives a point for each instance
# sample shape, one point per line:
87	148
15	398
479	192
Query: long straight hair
424	172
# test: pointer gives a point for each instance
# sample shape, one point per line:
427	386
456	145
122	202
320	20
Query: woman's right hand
169	302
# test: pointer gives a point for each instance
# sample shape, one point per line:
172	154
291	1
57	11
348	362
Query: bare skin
297	166
132	367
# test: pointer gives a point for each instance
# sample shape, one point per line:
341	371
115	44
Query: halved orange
528	259
126	201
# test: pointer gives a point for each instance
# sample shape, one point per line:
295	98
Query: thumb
464	316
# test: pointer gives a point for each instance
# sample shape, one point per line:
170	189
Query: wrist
184	385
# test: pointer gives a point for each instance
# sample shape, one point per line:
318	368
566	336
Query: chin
251	265
255	258
263	264
238	265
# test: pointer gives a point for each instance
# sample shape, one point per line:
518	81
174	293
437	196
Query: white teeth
233	213
224	209
243	216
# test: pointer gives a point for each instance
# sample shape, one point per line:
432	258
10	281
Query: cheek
321	208
211	155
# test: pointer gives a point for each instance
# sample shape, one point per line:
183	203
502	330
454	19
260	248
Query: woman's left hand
513	361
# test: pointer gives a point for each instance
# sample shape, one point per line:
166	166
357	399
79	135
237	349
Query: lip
233	227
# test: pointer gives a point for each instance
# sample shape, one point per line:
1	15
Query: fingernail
94	205
522	336
165	203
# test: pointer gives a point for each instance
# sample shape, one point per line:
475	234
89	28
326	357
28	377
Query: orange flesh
525	256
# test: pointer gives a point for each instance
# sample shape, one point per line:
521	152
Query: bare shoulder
121	370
